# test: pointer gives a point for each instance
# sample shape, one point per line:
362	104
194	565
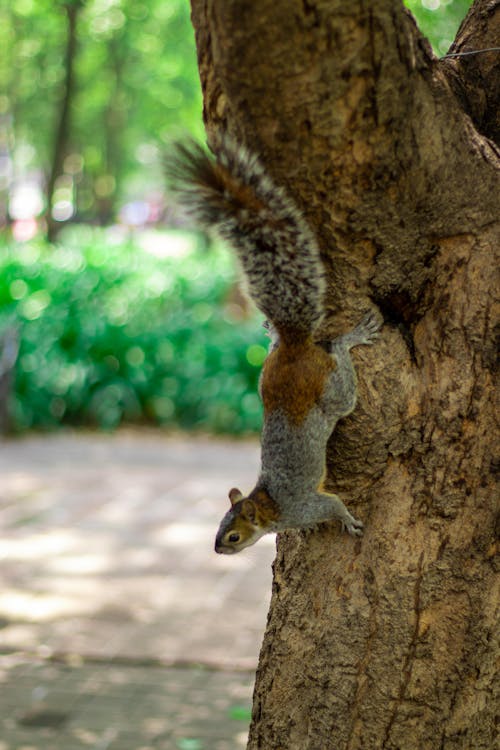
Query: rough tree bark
389	641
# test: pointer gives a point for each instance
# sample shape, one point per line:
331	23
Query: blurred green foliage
439	20
136	87
110	334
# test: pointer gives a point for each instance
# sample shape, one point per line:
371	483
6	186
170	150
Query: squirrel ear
234	495
248	510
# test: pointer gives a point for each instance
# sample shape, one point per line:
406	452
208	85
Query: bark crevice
406	671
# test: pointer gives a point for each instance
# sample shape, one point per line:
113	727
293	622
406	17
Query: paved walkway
120	627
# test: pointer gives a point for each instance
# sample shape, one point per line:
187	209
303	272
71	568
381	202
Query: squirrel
306	386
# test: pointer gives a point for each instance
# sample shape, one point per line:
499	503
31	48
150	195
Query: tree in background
63	126
388	642
90	93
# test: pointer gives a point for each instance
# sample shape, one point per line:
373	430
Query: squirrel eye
233	538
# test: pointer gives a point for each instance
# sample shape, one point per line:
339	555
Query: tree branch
475	79
347	107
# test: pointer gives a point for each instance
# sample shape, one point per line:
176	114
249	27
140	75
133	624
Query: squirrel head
246	521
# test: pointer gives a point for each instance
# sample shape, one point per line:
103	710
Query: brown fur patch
242	195
294	378
267	510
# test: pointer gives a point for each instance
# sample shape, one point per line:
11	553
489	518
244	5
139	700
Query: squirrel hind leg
366	332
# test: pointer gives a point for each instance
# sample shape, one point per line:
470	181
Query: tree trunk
388	641
62	131
9	349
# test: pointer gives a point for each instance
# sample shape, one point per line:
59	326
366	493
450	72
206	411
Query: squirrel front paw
353	526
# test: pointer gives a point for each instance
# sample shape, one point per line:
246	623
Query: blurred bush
110	333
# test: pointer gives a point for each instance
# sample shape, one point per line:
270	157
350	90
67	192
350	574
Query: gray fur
274	244
293	457
285	276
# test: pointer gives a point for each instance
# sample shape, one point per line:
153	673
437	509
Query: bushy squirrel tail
279	254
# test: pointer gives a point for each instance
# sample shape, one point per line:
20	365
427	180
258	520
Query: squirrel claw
369	328
353	527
